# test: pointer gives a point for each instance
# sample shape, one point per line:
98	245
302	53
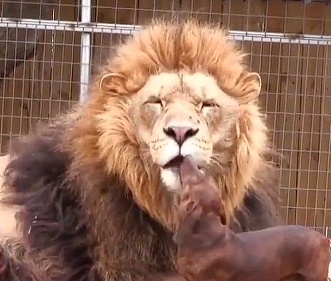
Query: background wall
288	41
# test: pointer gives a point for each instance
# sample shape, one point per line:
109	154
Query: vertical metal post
85	51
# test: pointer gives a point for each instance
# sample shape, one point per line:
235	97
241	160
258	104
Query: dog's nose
180	134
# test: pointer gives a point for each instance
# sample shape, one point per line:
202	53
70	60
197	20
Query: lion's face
180	114
169	91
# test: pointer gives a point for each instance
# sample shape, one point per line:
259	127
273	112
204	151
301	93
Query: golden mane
107	137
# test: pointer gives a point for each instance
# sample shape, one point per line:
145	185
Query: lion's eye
155	100
158	102
208	104
155	104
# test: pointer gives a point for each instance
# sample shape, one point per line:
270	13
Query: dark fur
13	268
50	218
55	228
54	225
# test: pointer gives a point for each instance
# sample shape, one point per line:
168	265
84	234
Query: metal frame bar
68	25
90	27
85	53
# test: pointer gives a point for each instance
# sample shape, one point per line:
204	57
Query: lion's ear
255	78
112	82
251	85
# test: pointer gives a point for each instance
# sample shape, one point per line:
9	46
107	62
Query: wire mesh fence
50	48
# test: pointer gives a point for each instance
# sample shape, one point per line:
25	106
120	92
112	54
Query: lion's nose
180	134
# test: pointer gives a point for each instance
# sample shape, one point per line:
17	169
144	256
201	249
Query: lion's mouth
174	163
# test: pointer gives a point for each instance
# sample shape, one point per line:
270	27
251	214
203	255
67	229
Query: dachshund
208	250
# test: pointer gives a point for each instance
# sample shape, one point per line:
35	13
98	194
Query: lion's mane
89	208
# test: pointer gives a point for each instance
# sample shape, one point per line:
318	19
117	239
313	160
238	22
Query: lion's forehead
181	119
169	86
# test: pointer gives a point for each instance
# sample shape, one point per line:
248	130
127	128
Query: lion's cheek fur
248	160
119	148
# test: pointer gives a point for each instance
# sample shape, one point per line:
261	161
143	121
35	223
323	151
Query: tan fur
7	214
111	139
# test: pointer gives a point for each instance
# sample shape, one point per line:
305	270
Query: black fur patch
56	231
15	269
257	212
49	217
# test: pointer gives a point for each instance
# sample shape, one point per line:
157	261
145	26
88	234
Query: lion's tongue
188	166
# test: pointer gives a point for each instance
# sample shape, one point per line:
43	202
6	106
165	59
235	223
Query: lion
97	188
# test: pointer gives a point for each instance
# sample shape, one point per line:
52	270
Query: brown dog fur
209	250
89	207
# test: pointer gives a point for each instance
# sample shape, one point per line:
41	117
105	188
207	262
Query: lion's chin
171	179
